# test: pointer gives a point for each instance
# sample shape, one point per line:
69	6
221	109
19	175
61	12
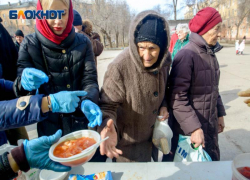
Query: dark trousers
13	135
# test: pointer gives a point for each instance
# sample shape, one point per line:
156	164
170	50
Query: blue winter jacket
11	116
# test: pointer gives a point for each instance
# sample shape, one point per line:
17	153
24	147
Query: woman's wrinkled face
58	25
181	35
211	37
149	53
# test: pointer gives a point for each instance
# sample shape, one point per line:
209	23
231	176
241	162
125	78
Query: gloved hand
37	153
66	101
33	78
92	112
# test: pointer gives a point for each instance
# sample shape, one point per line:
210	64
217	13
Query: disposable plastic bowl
242	160
80	158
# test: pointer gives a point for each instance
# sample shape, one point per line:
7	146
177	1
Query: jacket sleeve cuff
19	90
221	111
104	123
19	156
164	103
188	130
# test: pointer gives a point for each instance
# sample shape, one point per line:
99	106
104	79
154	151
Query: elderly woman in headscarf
183	38
133	92
55	59
196	107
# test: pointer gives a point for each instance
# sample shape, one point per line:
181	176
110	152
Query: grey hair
183	27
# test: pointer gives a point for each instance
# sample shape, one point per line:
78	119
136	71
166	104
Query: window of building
4	15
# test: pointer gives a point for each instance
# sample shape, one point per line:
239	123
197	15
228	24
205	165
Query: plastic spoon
94	145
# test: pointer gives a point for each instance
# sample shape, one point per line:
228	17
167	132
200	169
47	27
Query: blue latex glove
33	78
37	153
66	101
92	113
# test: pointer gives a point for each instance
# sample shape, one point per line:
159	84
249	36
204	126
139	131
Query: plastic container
52	175
242	160
77	159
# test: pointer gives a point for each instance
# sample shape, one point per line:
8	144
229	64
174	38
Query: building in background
26	25
231	15
230	12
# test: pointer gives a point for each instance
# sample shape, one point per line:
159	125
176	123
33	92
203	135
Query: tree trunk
117	36
230	34
110	43
123	40
238	27
175	9
108	37
104	40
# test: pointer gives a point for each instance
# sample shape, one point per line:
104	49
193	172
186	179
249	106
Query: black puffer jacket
8	55
70	66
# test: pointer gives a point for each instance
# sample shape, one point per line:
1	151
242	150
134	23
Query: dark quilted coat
70	66
194	100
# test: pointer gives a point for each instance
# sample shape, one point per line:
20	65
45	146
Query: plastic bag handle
192	145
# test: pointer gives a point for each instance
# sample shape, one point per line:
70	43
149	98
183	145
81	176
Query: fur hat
87	26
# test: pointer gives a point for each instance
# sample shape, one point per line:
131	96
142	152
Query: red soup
245	171
72	147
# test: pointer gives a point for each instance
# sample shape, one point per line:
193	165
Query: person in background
133	92
195	104
19	38
95	38
65	61
31	154
85	27
242	45
183	38
173	40
237	46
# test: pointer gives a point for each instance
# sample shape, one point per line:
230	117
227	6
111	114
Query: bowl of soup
69	150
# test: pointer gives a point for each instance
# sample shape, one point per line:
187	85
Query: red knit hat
204	20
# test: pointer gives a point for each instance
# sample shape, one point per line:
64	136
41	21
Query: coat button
156	94
23	104
61	115
68	86
156	72
63	51
155	112
65	68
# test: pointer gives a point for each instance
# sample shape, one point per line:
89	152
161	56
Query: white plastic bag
162	135
6	148
186	153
